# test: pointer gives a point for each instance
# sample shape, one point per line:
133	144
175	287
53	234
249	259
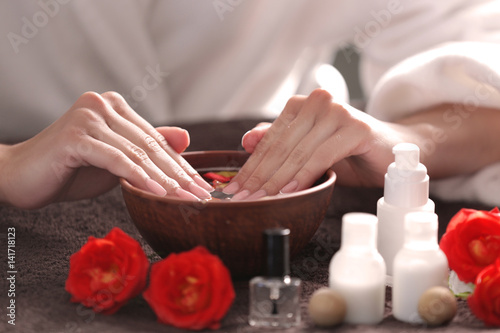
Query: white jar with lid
418	266
357	270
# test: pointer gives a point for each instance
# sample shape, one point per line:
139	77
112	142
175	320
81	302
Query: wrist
455	148
427	137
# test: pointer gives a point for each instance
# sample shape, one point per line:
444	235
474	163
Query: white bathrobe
192	60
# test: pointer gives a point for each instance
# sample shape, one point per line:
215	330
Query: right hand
82	154
311	135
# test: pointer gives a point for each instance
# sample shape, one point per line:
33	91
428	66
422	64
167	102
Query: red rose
190	290
472	242
107	272
485	300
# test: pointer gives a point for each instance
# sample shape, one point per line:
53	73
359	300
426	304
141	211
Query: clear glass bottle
274	299
418	266
357	270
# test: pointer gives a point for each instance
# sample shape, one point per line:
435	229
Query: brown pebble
327	307
437	306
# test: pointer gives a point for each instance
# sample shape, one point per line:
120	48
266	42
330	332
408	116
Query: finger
337	134
144	151
137	155
122	166
177	138
294	145
129	134
104	156
285	178
343	143
281	123
251	138
124	110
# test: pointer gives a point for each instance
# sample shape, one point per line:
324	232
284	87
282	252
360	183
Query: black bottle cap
277	251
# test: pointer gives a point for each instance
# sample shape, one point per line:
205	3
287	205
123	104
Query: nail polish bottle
274	299
406	189
418	266
357	270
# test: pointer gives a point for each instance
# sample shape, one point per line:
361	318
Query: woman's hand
82	154
311	135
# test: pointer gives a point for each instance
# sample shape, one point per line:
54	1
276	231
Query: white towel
457	73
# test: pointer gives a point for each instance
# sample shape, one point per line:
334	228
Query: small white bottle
418	266
406	189
357	270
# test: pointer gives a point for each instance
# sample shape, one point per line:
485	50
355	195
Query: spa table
45	239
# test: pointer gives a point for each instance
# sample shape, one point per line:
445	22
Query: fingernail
155	187
241	195
257	195
231	188
290	187
200	181
183	194
198	191
243	137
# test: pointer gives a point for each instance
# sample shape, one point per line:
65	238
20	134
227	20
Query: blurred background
347	61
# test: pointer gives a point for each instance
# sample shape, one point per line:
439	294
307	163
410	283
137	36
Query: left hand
311	135
84	152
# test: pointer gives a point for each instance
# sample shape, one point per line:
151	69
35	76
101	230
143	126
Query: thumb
177	138
251	138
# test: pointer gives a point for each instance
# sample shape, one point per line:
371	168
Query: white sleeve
465	71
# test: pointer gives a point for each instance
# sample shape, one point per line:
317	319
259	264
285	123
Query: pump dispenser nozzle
406	181
407	156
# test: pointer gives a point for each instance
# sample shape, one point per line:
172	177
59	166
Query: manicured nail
155	187
200	181
290	187
241	195
231	188
183	194
199	191
243	137
257	195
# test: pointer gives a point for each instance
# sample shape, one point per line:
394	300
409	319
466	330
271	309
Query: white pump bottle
406	190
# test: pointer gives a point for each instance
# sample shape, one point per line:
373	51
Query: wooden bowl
231	230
